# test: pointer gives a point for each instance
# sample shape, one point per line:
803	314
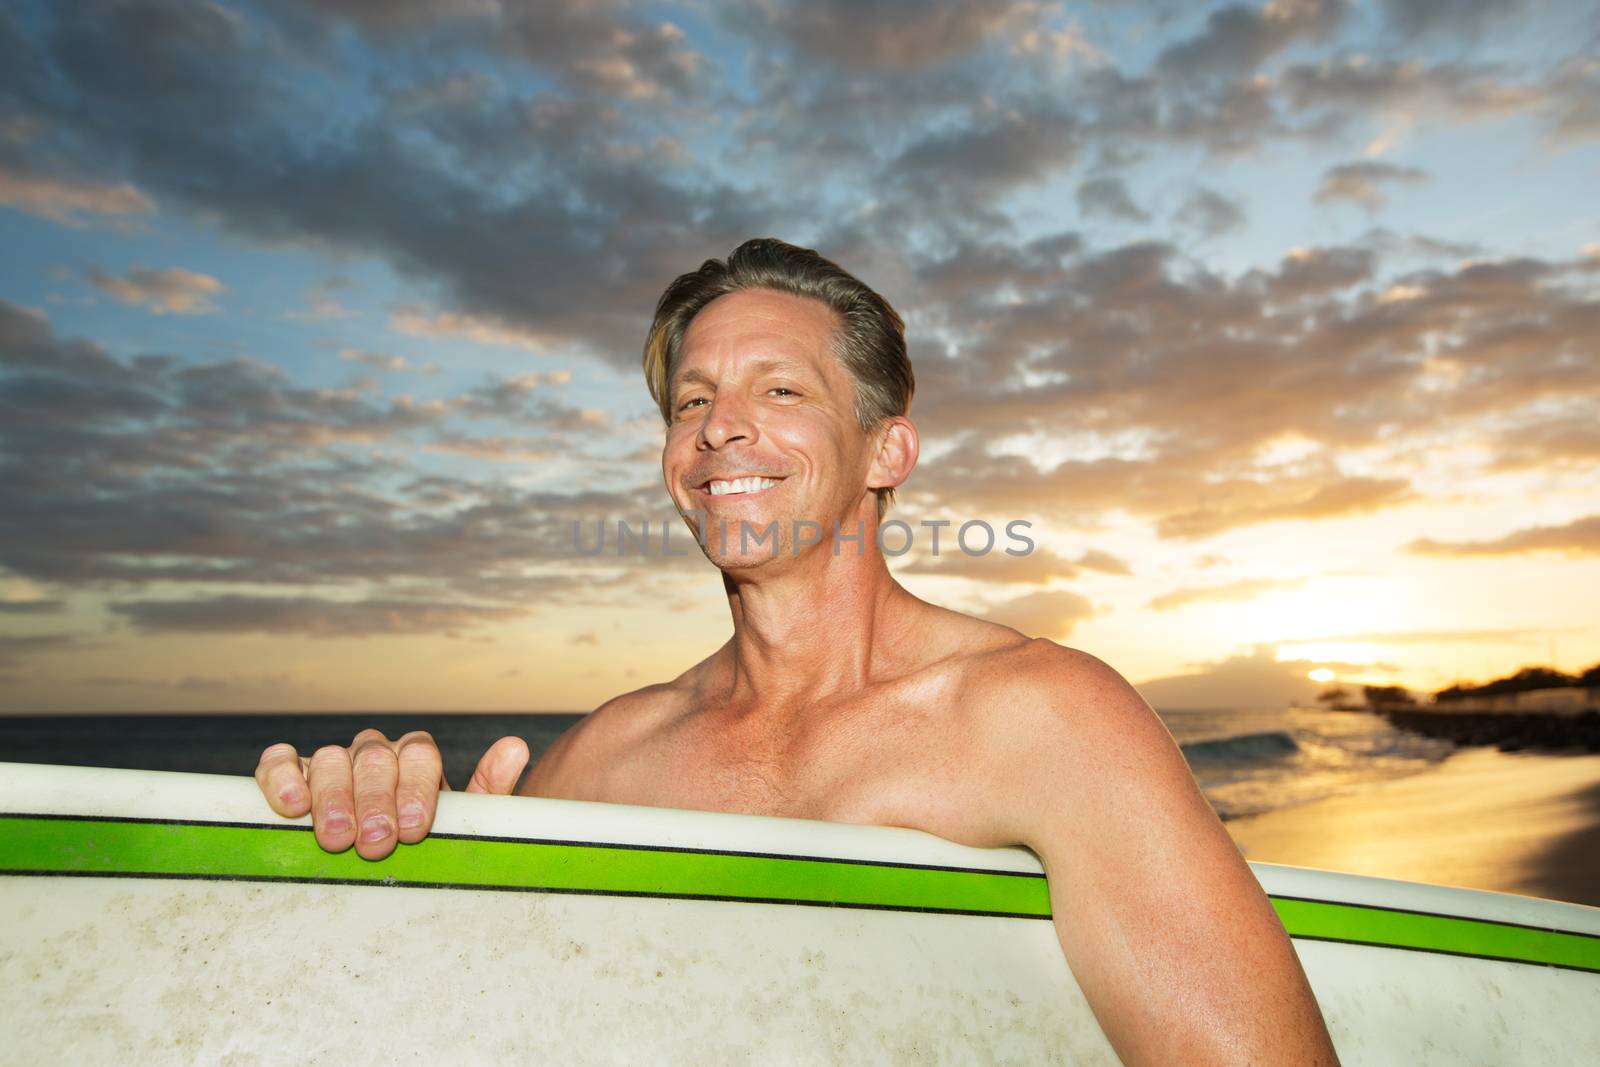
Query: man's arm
1168	932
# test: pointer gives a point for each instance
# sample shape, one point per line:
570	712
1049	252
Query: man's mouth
738	486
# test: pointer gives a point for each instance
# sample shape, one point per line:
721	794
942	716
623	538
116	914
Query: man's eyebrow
695	375
691	375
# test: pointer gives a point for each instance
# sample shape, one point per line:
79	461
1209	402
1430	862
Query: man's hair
870	340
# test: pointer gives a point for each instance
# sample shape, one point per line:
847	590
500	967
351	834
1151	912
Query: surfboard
156	917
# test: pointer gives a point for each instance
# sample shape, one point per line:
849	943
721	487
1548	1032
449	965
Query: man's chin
732	562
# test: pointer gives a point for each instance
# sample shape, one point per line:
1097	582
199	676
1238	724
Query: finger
500	767
332	798
281	781
421	771
377	774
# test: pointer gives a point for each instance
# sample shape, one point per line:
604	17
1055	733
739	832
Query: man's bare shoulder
1053	701
1060	722
1050	677
1002	662
571	767
1029	681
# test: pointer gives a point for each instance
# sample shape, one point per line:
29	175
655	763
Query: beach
1513	822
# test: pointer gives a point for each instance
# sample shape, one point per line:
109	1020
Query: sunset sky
320	325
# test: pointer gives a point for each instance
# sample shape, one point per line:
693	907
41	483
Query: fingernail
410	816
376	828
292	794
337	822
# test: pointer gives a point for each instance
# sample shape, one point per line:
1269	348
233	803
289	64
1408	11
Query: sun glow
1327	604
1321	674
1331	652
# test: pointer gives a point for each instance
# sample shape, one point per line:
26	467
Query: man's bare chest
885	764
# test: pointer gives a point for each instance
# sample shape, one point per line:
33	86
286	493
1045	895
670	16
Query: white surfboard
172	918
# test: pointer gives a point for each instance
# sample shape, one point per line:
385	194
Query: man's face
759	394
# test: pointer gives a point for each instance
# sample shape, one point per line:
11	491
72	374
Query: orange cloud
170	290
69	200
1579	537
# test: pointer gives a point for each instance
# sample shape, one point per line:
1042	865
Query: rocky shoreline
1508	731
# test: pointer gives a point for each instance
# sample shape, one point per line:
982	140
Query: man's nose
729	419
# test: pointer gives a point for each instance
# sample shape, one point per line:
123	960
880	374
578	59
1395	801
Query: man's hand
360	795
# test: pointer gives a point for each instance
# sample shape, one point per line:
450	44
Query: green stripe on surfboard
1331	921
92	846
112	848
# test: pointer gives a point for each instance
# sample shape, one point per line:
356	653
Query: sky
321	321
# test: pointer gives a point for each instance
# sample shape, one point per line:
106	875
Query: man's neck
814	628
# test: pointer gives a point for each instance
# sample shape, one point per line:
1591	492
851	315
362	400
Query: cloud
1344	496
1574	95
1108	368
1257	680
568	189
1211	214
1037	567
593	45
1578	537
1237	39
1108	197
16	649
480	328
1546	442
1354	89
1048	613
373	359
170	290
603	48
313	616
152	470
69	200
322	302
1467	18
1362	183
1244	589
991	154
895	36
1421	637
1095	560
1320	271
529	181
31	607
536	182
1387	242
496	448
194	683
513	398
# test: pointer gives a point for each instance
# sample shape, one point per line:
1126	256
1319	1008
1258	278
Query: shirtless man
841	696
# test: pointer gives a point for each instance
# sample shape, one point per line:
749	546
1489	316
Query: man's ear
896	455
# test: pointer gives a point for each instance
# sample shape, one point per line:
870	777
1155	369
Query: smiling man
785	387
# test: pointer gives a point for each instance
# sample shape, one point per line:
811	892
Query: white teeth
740	485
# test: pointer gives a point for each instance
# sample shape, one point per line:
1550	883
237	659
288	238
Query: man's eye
784	389
691	402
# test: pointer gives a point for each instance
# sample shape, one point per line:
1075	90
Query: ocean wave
1260	765
1242	748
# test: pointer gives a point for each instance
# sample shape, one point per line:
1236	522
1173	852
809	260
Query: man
784	383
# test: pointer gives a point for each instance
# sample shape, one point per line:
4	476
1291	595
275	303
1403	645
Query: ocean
1250	761
1246	760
